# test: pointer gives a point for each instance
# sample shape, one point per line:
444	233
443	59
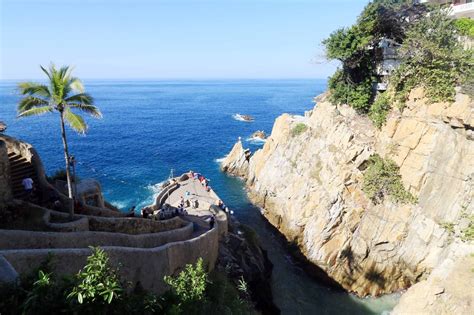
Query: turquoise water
151	127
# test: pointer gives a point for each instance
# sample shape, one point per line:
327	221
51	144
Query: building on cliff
459	8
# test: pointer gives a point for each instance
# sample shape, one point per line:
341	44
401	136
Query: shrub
298	129
224	298
379	110
190	283
97	284
465	26
468	233
344	91
448	226
432	57
356	49
382	179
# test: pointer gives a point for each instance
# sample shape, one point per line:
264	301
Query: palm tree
63	94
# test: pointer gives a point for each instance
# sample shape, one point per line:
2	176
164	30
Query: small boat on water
241	117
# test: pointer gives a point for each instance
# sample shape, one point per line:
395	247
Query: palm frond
46	72
64	72
83	98
33	88
75	121
36	111
76	85
30	102
90	109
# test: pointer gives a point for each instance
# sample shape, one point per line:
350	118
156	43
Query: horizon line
174	79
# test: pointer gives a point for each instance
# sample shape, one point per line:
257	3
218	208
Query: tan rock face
310	187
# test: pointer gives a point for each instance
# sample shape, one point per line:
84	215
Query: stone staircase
20	168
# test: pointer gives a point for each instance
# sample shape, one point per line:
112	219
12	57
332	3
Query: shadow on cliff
354	270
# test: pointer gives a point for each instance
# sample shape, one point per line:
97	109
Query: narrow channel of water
294	291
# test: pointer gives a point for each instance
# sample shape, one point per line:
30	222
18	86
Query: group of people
203	180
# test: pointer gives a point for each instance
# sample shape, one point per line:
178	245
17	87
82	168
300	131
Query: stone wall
17	239
5	185
146	266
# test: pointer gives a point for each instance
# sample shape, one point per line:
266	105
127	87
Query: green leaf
75	121
111	296
36	111
79	298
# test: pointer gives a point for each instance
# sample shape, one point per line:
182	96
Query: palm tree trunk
68	173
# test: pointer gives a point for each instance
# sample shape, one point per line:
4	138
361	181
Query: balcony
463	10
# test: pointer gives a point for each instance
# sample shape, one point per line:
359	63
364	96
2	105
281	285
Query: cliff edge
308	179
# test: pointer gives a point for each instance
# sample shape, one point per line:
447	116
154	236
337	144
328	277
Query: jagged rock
239	258
310	188
448	289
237	160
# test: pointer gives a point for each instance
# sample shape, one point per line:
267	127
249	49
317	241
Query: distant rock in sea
260	134
241	117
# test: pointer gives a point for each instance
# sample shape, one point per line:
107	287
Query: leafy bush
448	226
193	292
382	179
298	129
343	91
190	284
97	283
379	110
468	233
432	57
465	26
356	49
224	298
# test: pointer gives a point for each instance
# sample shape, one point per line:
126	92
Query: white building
459	8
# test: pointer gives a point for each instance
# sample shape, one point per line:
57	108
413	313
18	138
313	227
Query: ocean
150	129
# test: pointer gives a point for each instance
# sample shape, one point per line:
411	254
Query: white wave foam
256	140
240	118
155	188
220	160
121	204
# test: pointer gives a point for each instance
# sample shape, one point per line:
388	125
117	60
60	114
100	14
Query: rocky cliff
308	180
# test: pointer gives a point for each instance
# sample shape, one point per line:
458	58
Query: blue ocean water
151	127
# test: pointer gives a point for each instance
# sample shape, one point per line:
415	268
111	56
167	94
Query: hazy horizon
171	40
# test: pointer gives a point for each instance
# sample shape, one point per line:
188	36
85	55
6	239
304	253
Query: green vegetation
430	53
448	226
298	129
357	49
382	179
433	58
465	26
468	233
97	283
379	110
190	284
58	96
96	289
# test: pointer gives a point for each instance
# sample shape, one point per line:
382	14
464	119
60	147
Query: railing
462	8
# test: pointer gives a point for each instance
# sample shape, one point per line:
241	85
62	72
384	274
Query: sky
171	39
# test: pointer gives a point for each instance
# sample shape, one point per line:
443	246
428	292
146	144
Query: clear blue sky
196	39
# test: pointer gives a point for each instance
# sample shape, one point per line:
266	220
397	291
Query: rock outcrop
241	257
309	184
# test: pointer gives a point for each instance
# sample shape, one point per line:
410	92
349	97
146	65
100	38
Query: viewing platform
192	199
